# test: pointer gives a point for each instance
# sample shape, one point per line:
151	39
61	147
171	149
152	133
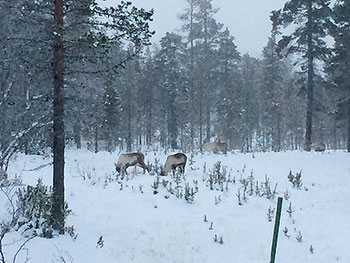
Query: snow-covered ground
137	225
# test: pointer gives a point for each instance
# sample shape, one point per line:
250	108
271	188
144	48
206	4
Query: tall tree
307	39
170	61
58	114
110	25
208	38
339	66
191	28
272	92
229	83
249	105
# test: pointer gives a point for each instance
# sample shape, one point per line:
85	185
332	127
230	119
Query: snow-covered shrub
189	193
270	214
156	184
155	168
266	189
217	177
178	186
295	179
35	209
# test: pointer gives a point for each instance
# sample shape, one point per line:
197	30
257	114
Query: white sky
247	20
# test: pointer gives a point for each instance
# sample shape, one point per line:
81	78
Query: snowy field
138	222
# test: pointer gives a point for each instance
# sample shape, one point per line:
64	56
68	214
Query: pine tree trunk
149	122
310	82
334	135
278	143
77	136
128	145
192	114
208	121
58	124
96	137
200	121
348	143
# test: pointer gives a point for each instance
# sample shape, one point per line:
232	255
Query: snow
147	227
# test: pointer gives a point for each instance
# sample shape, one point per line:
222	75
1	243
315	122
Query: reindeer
174	161
319	147
215	146
130	159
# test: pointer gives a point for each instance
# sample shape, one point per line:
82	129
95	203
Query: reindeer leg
145	167
126	167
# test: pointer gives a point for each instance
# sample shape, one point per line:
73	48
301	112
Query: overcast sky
247	20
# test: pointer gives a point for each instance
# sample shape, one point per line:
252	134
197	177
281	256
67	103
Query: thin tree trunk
58	124
348	143
206	83
278	143
208	121
77	136
200	121
335	144
149	121
191	80
310	83
128	146
96	137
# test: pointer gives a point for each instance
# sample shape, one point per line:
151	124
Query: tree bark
58	124
348	143
77	135
128	145
96	137
310	82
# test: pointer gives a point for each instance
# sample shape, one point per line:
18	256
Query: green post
276	229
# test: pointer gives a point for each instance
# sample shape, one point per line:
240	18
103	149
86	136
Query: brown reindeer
174	161
215	146
130	159
319	147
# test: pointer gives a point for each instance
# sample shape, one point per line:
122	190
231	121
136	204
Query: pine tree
249	103
208	35
272	93
111	116
191	29
339	68
228	86
307	39
170	61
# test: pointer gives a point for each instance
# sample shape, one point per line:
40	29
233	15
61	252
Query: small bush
35	209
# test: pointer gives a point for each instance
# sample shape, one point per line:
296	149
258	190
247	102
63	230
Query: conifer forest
119	92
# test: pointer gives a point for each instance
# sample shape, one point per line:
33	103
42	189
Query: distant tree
170	61
307	39
272	93
123	22
249	100
23	72
191	29
206	44
228	88
149	80
111	115
338	66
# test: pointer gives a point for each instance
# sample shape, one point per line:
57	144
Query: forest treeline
194	86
